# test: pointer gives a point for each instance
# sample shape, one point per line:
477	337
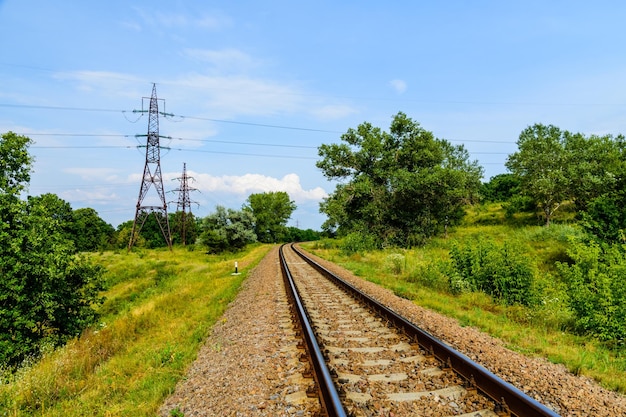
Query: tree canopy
271	211
227	229
400	186
555	166
46	290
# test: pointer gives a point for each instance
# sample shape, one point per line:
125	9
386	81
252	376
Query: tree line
404	186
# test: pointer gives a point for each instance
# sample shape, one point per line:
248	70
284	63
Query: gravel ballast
250	365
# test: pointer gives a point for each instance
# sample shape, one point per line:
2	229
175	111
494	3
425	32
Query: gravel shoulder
249	365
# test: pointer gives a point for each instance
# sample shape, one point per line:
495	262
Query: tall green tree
541	164
46	291
401	186
271	210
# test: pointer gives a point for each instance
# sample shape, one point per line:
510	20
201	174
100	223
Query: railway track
368	361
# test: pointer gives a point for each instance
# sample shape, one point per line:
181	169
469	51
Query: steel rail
509	397
329	397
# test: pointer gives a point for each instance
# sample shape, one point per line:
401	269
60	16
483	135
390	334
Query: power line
33	106
177	149
260	124
239	142
86	109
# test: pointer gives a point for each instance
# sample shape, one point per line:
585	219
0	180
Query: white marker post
236	269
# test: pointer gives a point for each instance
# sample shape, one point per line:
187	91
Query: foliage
395	263
556	166
540	164
46	291
295	234
90	232
605	217
358	243
227	230
500	271
150	236
184	227
401	186
500	188
271	211
597	289
15	164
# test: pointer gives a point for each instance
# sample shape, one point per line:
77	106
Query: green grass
542	330
159	309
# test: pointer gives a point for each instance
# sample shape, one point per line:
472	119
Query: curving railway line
367	361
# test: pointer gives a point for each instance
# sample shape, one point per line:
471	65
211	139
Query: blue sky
256	86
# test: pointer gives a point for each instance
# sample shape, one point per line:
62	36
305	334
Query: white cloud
228	95
90	196
229	59
256	183
333	112
105	82
180	20
399	85
108	174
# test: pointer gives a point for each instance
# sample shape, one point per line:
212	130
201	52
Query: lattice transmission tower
184	202
152	177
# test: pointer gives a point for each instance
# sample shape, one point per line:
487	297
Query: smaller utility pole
184	202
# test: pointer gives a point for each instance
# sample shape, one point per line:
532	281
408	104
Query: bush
498	270
606	218
435	275
597	289
395	263
358	242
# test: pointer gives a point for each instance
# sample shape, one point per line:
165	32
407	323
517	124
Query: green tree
400	187
271	210
227	229
556	166
295	234
46	291
184	227
595	166
500	188
89	231
150	235
123	233
51	206
540	163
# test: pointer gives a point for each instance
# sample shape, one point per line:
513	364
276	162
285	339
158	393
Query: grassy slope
160	307
542	330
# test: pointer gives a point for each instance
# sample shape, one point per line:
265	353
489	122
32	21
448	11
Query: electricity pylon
184	202
152	176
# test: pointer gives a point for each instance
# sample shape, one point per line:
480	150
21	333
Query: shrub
395	263
597	289
358	242
498	270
